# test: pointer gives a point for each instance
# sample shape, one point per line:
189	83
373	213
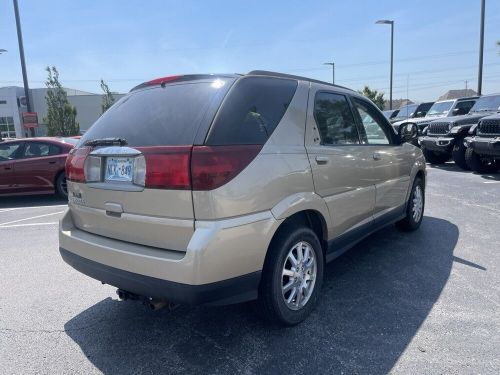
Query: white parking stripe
27	225
491	182
32	217
24	208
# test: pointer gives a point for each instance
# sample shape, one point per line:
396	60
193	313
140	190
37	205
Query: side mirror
408	133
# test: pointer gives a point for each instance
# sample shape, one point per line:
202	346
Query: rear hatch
129	176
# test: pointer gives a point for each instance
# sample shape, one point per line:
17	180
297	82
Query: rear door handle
321	160
376	156
52	162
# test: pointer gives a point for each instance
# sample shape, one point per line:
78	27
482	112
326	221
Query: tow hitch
151	303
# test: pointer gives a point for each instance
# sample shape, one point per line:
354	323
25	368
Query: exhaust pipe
155	304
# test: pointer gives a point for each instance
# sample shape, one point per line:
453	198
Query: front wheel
458	154
62	186
292	276
414	208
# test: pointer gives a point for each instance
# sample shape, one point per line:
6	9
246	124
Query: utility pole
23	63
481	48
333	70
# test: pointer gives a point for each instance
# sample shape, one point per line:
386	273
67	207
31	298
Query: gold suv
218	189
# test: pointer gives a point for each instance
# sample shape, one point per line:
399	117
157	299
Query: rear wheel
434	157
292	276
61	186
414	208
458	154
479	165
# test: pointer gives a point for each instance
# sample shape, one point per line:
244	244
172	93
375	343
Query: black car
444	138
412	111
483	146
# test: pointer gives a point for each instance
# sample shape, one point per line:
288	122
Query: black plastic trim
239	289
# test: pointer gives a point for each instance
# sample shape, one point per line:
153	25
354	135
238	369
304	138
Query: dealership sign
30	119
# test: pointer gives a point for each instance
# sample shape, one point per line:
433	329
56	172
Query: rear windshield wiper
106	142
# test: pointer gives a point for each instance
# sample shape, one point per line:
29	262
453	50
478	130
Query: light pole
23	63
333	70
390	22
481	47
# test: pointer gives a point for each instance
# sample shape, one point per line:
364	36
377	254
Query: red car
34	166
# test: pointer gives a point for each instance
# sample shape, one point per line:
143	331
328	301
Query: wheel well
311	219
57	176
421	174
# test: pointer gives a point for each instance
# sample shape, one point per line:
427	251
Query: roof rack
283	75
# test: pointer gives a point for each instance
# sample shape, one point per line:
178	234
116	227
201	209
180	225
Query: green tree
61	115
376	97
107	97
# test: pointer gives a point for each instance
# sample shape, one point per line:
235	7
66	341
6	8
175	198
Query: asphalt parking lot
424	302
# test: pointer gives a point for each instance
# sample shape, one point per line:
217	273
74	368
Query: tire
414	214
478	165
435	157
61	186
271	303
458	154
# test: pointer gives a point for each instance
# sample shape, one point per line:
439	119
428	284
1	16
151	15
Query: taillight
75	164
165	167
92	168
214	166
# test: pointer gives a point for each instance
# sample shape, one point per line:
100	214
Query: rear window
159	116
251	111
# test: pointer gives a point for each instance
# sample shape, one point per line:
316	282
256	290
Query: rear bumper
238	289
439	144
484	146
221	264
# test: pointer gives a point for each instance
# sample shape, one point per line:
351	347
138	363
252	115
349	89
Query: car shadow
491	176
448	166
374	299
31	201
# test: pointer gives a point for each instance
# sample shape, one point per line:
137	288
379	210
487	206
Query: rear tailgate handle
321	160
376	156
113	209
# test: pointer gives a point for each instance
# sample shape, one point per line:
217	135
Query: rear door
390	162
341	166
36	167
138	188
8	154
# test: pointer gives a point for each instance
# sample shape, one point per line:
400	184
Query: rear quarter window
251	111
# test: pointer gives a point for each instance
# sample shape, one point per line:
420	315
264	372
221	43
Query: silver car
203	189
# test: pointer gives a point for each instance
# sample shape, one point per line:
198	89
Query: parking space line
491	182
24	208
27	225
30	218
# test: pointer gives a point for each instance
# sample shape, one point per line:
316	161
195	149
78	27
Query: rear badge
76	198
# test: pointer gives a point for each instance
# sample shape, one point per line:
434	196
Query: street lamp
481	47
390	22
333	70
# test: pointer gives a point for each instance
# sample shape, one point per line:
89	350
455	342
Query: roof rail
283	75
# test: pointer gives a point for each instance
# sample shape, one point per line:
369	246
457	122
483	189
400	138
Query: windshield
487	103
440	109
407	110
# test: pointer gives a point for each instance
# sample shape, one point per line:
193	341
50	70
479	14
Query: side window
8	151
334	119
36	149
374	130
54	150
464	107
251	111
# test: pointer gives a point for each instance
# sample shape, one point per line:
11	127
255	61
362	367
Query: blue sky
127	42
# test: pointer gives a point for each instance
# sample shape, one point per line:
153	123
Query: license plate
119	169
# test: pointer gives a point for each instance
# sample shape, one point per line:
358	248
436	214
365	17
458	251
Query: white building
13	104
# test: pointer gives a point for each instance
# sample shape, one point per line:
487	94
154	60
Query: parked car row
472	140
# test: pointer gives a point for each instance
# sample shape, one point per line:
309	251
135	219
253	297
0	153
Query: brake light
214	166
75	164
165	167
